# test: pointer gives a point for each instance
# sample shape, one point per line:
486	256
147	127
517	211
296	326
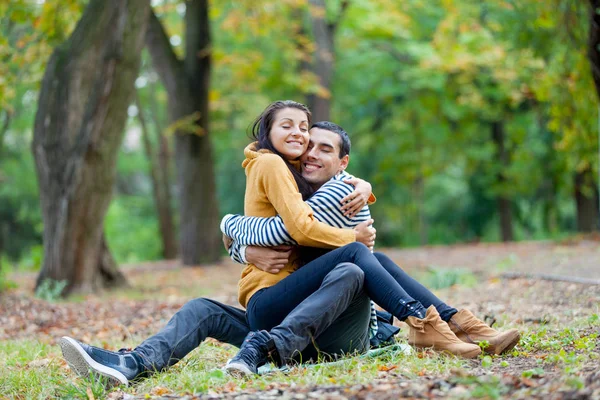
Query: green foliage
50	290
441	278
417	85
4	282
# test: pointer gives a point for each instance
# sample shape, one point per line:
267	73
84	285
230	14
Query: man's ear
344	162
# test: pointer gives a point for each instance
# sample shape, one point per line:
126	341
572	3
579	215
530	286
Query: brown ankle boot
432	331
470	329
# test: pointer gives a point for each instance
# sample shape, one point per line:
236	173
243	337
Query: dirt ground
532	303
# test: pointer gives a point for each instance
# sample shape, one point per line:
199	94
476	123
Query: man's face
322	161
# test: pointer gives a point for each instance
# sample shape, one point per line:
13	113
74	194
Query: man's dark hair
335	128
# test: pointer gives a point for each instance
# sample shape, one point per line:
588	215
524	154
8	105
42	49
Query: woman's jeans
384	282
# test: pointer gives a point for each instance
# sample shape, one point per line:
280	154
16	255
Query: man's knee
348	272
197	307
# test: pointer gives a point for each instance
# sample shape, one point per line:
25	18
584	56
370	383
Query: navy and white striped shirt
271	231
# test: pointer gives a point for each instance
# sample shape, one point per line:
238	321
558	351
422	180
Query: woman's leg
271	305
415	289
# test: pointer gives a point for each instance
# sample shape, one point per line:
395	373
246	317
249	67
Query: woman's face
289	132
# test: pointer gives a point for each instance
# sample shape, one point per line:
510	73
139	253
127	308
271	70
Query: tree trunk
187	83
594	43
164	161
586	200
324	58
504	204
161	199
79	126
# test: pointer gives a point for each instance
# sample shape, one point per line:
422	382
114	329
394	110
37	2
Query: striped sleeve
256	231
268	232
326	205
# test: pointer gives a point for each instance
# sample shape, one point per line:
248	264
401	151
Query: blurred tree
323	26
187	83
159	175
79	126
588	219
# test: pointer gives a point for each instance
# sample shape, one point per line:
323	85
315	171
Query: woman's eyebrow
291	120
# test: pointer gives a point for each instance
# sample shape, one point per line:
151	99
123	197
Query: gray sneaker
119	367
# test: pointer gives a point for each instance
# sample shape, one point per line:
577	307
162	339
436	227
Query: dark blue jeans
384	282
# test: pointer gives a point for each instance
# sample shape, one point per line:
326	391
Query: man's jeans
334	320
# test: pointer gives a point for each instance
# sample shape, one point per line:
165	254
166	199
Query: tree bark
161	199
79	126
586	201
503	203
187	83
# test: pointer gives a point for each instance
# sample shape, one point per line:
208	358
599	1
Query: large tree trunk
79	126
587	218
504	204
323	62
187	83
324	57
160	195
586	201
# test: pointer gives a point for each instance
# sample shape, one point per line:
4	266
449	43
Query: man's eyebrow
325	145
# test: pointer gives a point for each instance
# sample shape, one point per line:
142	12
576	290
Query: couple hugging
310	274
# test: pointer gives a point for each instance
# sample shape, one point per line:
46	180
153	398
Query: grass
35	370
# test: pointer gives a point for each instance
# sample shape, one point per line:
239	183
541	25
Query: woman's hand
356	200
269	259
365	233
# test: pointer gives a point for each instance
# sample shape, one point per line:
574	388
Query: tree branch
165	62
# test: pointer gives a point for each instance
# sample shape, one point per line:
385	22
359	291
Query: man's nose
312	154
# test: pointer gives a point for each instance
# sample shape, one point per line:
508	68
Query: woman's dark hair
260	132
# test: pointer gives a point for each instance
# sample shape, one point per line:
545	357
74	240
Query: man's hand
365	233
269	259
356	200
227	242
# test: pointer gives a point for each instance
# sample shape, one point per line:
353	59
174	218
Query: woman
275	186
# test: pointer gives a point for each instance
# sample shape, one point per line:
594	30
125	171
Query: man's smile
310	167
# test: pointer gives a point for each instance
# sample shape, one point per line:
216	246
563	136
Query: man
342	327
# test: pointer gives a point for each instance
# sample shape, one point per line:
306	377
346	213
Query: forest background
474	121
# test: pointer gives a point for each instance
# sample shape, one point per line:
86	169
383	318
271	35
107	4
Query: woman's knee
358	248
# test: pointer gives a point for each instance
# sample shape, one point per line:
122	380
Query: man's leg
308	321
349	333
311	318
190	326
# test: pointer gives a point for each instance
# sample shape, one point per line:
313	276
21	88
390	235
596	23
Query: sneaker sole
83	364
238	370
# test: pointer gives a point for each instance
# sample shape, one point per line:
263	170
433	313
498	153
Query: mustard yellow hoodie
271	190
